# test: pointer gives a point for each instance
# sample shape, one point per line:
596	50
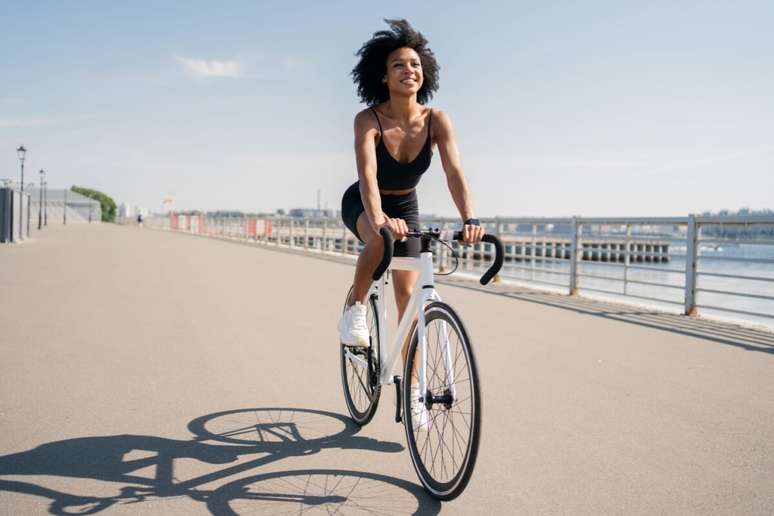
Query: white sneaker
353	330
421	419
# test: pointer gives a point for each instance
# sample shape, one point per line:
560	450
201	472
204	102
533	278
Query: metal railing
714	265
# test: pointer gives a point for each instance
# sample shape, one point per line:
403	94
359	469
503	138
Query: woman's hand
472	233
397	227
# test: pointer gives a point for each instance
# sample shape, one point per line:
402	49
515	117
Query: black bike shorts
403	206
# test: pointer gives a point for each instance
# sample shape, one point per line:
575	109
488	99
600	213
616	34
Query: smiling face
404	72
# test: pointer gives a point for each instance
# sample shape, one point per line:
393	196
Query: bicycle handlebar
498	261
490	239
387	256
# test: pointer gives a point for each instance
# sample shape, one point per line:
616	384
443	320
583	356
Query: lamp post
40	204
22	153
30	186
45	203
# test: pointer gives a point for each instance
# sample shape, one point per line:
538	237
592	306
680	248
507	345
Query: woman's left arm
455	178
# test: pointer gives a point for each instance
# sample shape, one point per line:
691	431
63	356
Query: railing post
324	241
533	252
573	286
441	254
498	234
306	234
691	256
626	257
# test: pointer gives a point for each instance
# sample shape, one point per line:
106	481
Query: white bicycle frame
424	292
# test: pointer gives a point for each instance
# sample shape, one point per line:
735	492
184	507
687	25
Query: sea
665	286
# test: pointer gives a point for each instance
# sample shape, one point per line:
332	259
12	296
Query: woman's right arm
365	155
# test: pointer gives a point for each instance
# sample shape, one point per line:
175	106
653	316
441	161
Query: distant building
312	213
125	211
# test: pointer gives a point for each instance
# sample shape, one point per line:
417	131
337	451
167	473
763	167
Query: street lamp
40	204
22	153
45	203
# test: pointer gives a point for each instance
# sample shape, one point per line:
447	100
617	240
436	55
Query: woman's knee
370	238
403	286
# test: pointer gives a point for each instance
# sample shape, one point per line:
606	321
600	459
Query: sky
593	108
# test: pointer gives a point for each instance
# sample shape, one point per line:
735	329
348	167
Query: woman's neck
404	109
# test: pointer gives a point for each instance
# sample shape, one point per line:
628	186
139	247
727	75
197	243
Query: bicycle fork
450	393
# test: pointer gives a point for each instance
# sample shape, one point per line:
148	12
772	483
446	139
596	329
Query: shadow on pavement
244	439
329	491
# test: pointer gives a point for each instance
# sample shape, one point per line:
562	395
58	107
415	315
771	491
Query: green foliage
106	202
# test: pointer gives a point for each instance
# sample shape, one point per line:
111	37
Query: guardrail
690	263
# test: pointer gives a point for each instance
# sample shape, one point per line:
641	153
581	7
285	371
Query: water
671	279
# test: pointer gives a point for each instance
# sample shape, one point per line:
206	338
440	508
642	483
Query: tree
106	202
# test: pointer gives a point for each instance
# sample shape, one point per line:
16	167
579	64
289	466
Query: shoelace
359	320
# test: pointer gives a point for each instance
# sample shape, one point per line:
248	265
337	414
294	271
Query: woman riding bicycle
394	138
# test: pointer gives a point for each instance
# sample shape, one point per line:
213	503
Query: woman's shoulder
367	112
440	121
365	116
365	122
439	114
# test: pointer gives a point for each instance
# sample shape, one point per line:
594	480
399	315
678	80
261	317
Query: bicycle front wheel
360	371
443	424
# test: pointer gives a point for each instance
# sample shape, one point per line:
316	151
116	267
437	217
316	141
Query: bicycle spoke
360	391
444	452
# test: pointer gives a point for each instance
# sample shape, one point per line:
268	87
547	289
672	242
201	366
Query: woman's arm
365	155
455	178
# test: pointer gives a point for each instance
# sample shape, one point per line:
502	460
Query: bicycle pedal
398	412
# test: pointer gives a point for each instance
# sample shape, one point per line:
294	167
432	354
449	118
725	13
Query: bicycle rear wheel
443	442
360	371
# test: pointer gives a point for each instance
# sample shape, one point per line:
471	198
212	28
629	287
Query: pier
563	253
330	235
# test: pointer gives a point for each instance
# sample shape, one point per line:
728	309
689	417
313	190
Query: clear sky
616	108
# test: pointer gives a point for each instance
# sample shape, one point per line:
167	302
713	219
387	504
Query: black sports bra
391	174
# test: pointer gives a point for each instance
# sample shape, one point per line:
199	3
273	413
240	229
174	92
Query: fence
721	266
62	206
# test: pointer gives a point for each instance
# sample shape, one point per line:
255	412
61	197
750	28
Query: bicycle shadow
245	439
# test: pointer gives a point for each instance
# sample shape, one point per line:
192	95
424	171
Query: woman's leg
369	258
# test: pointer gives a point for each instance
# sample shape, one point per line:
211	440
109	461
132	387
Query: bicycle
440	358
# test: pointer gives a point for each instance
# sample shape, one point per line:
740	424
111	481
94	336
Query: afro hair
372	67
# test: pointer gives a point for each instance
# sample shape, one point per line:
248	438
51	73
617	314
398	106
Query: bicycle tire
444	482
361	391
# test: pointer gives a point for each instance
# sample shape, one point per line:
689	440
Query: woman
394	138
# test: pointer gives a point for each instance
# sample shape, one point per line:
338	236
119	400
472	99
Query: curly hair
372	67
